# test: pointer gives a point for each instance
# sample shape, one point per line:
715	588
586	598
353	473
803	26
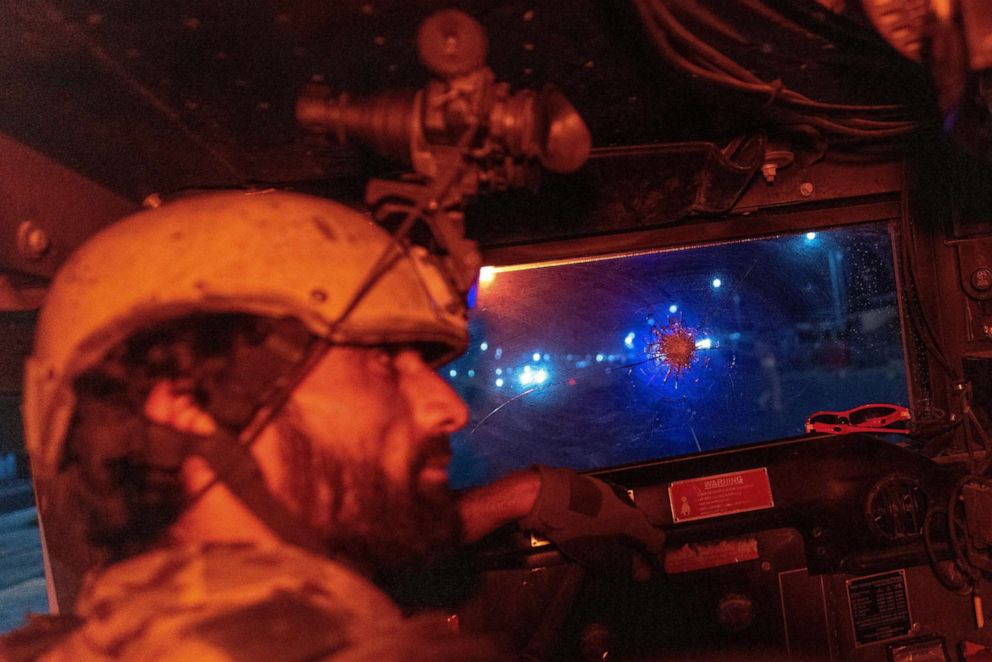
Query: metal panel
61	205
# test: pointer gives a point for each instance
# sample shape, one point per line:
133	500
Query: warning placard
720	494
879	607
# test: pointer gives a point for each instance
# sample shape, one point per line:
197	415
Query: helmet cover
272	254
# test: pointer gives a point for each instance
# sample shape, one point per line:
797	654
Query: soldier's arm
485	509
590	520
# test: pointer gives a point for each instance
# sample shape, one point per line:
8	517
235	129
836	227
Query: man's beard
371	522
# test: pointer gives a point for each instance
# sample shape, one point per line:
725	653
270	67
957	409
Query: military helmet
273	254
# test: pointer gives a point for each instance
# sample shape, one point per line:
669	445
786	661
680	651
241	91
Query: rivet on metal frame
32	242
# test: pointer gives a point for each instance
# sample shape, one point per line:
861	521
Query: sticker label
721	494
879	607
710	555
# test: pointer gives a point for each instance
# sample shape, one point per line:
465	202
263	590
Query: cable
960	553
706	62
928	544
744	75
927	335
919	321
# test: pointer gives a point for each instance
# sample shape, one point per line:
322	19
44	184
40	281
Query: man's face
360	453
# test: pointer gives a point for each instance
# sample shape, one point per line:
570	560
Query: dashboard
810	548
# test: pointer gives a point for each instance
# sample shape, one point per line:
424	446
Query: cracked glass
604	362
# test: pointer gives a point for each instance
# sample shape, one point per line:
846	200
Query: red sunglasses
866	418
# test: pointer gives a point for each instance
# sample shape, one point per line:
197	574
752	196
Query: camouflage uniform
228	602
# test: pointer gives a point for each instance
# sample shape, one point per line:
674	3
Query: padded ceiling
156	97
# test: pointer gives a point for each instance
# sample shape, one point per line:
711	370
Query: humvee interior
736	259
689	371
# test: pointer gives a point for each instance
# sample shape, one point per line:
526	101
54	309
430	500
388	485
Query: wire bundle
687	51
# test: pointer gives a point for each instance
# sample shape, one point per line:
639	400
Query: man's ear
169	404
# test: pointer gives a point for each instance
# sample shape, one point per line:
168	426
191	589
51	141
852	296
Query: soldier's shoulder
41	634
285	626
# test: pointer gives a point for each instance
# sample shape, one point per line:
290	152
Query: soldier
239	392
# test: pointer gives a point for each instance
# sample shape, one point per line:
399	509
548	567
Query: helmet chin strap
237	468
257	389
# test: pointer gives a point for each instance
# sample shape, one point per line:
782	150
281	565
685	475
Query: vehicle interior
736	259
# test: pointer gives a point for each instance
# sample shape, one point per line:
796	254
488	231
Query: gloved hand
594	523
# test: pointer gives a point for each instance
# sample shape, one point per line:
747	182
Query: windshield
611	361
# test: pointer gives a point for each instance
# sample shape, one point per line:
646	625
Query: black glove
594	522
